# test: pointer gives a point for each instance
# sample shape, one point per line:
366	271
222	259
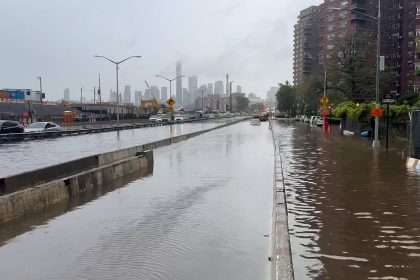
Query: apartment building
340	17
416	83
305	45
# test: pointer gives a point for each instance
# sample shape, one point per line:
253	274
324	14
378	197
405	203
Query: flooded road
202	214
353	214
28	155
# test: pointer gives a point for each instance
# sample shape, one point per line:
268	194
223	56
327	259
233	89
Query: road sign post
387	99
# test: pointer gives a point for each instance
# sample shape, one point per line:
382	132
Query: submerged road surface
202	214
29	155
353	214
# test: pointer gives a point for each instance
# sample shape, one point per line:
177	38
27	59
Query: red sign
324	114
377	112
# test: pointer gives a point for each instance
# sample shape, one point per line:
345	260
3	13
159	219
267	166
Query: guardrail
14	137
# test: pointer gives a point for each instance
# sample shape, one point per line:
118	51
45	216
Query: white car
163	118
179	118
42	127
319	121
153	118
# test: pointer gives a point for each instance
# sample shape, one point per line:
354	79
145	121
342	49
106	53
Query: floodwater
29	155
202	214
353	213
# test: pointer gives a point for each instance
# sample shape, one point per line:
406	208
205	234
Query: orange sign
324	114
324	100
377	112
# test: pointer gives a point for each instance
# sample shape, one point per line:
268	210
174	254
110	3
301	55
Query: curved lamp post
170	82
117	63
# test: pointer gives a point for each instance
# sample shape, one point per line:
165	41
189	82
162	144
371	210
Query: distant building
218	87
186	96
210	89
66	95
178	96
155	92
253	98
137	97
164	93
112	96
238	89
193	86
147	94
271	94
127	95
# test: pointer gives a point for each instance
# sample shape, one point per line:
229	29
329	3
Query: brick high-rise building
417	48
340	17
306	45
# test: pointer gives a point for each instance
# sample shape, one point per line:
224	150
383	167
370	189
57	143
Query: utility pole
100	96
40	88
81	96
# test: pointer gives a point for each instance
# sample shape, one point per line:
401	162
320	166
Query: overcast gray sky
249	39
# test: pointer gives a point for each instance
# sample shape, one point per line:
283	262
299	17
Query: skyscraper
164	93
178	96
112	96
127	95
186	97
147	94
238	89
66	95
218	87
192	87
210	89
137	97
155	93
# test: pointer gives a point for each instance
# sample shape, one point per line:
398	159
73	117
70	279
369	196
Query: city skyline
245	43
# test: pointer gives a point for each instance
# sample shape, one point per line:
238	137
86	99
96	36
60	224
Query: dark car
7	127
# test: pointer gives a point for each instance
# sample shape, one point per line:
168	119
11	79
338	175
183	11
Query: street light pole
117	63
170	82
40	88
202	102
376	143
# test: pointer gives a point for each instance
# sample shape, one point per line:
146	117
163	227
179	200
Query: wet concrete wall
39	196
29	191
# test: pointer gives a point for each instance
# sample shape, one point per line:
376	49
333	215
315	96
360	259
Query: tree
242	103
286	98
351	67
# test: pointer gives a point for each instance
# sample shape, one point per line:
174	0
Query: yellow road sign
324	107
324	100
170	102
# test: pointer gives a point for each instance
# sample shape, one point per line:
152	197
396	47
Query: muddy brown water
353	213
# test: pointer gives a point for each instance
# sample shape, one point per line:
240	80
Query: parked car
7	127
179	118
306	119
153	118
42	126
319	121
81	118
163	118
313	120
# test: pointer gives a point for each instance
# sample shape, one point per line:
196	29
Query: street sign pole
387	124
387	99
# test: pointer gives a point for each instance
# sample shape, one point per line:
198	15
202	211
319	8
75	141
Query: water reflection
354	214
201	215
30	155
